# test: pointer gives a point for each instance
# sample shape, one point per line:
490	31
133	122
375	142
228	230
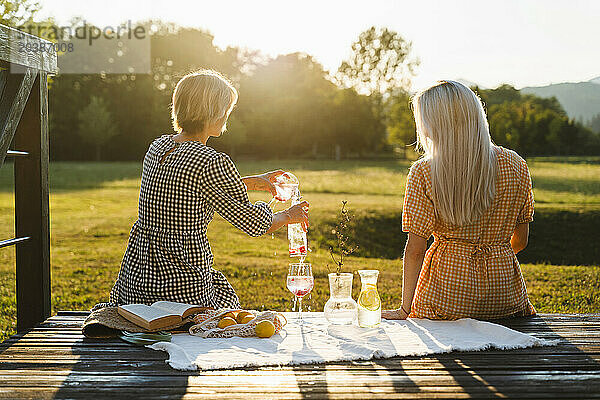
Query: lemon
265	329
241	315
225	322
369	298
230	314
246	319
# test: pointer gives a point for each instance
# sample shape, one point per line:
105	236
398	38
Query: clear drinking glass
300	282
286	186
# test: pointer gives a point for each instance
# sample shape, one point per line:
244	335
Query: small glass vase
340	309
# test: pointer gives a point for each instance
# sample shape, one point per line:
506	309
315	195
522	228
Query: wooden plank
589	334
32	210
148	368
299	393
16	153
73	313
12	104
151	367
130	354
12	242
16	48
3	79
340	380
15	353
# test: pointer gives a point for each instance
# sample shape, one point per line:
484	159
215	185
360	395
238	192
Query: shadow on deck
54	360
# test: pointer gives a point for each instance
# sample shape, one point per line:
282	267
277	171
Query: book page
146	312
173	307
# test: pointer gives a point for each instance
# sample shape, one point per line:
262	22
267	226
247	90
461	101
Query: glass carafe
340	309
369	303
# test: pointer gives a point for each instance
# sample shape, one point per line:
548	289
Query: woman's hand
263	182
299	214
394	314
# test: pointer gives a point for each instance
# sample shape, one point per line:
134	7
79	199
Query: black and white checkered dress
168	256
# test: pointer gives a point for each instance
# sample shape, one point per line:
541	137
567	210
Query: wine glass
286	185
300	282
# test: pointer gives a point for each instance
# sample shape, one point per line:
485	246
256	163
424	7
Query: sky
519	42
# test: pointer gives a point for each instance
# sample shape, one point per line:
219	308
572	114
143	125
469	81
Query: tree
594	124
354	122
96	125
286	107
400	123
18	12
534	126
235	136
381	64
381	61
138	103
502	94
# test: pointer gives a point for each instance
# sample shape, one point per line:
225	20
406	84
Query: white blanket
316	341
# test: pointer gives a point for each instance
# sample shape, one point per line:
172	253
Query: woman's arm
414	254
222	187
294	215
263	182
520	237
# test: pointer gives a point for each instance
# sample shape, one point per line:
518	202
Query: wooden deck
54	360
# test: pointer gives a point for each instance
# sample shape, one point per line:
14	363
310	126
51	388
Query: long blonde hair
453	131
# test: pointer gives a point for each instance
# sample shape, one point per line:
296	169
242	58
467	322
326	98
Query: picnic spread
317	341
206	346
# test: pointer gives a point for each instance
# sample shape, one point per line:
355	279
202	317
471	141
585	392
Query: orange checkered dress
471	271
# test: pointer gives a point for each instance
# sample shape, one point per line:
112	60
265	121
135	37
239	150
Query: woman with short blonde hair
201	98
476	200
184	181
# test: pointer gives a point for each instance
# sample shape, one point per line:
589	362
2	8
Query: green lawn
94	204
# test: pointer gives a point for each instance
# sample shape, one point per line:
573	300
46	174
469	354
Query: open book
159	315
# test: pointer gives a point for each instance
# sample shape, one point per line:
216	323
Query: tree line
289	105
594	123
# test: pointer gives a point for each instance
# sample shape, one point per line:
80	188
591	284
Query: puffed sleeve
417	211
222	186
526	213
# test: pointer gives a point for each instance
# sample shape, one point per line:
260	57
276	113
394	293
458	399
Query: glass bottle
369	303
298	245
340	309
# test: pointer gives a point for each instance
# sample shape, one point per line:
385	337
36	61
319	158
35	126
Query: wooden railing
25	62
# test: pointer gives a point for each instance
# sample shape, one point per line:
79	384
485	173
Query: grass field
93	206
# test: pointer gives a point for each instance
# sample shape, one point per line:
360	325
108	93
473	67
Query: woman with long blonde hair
476	200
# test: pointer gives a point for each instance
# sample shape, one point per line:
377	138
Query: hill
580	100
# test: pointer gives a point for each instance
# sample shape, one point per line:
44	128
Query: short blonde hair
201	98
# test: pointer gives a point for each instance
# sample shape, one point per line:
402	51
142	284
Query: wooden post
32	209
